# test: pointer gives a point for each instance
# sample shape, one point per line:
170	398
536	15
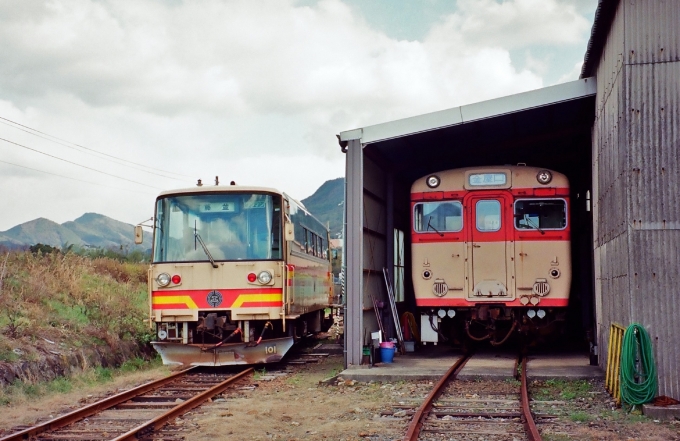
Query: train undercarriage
494	324
217	340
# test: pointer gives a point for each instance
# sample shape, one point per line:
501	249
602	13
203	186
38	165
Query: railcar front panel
490	246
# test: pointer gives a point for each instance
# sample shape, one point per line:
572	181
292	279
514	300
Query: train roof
221	189
521	176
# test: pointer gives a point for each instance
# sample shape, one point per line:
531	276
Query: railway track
137	413
489	410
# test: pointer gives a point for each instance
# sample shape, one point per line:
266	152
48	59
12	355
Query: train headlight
433	181
264	277
544	177
163	279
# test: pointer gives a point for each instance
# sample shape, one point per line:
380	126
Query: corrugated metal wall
636	174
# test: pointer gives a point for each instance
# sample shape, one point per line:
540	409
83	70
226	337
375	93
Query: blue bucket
387	354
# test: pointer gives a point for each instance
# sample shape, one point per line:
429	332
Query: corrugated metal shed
549	127
635	52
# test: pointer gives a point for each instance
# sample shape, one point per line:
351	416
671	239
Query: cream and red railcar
490	251
237	274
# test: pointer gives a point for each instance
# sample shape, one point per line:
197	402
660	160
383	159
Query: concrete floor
431	362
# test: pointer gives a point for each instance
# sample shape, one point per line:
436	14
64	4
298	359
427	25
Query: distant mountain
326	204
97	230
91	229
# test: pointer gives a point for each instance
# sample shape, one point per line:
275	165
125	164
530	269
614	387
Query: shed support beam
354	243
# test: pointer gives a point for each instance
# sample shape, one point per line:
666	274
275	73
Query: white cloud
252	91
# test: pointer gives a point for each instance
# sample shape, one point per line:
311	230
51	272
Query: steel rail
158	422
424	409
93	408
527	418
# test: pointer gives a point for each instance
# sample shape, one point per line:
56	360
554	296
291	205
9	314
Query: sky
104	104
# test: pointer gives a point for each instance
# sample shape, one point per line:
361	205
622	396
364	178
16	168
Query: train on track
491	253
237	275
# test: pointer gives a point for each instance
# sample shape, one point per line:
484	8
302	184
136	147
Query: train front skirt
268	351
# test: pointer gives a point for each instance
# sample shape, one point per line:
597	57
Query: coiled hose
638	371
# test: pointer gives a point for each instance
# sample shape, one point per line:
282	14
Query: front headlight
163	279
264	277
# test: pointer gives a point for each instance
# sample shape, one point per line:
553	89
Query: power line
72	178
75	146
76	164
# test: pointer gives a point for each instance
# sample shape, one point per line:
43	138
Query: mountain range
97	230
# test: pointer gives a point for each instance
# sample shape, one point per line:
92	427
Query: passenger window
541	214
488	215
438	217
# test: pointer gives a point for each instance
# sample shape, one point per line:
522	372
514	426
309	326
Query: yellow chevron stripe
243	298
169	300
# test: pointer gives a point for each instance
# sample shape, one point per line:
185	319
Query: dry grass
69	299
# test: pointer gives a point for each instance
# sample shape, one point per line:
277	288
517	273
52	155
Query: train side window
544	214
446	216
488	215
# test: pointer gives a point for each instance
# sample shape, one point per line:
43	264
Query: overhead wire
78	147
74	179
76	164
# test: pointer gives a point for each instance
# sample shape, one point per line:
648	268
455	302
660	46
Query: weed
580	417
258	374
8	355
60	385
132	365
103	374
513	382
293	379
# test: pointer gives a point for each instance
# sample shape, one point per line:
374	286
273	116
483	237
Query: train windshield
541	214
438	217
229	226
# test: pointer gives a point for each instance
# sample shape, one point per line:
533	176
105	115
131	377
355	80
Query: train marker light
451	313
554	273
163	279
441	313
544	177
176	279
531	313
540	313
264	277
433	181
252	277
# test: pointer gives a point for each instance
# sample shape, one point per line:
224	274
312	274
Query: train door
488	267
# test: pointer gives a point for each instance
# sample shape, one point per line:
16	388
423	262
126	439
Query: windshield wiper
430	226
532	224
205	248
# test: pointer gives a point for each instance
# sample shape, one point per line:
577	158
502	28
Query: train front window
541	214
233	226
437	217
488	215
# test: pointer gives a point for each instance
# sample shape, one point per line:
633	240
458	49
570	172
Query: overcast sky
252	91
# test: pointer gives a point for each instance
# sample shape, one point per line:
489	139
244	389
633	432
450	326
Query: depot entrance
548	128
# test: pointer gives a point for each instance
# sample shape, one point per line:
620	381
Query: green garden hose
638	371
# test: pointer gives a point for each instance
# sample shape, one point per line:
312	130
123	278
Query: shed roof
507	130
473	112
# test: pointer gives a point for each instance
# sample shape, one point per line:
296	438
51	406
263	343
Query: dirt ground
298	405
